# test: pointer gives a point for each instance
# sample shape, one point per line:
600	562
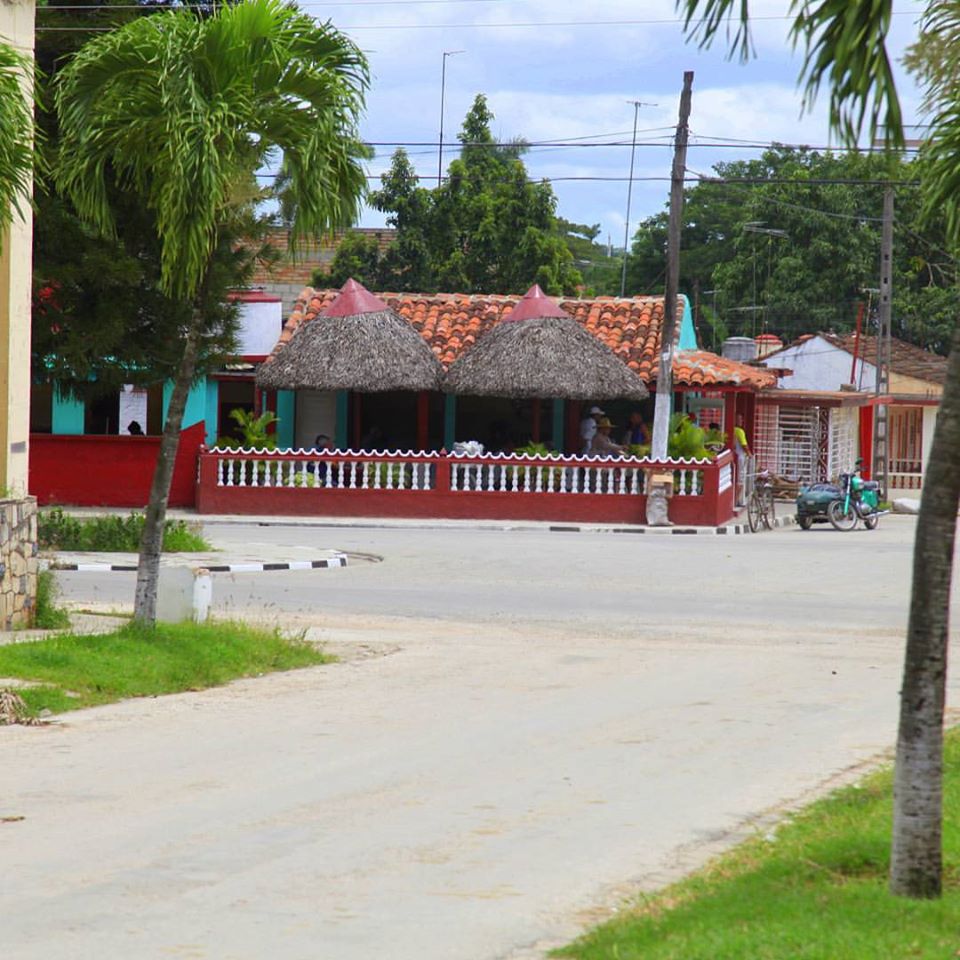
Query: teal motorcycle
858	500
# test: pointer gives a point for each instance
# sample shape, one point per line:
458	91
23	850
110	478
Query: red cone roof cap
535	303
354	298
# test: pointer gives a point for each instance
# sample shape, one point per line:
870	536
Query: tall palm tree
181	110
16	135
846	50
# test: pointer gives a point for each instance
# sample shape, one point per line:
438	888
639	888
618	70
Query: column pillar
16	265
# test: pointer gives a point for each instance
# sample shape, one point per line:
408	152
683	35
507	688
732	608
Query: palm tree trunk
151	543
916	860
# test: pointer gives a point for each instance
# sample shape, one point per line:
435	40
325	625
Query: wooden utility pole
656	495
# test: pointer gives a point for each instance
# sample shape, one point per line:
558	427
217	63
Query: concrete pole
657	494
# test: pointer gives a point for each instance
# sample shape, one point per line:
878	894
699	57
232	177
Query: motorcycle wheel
839	519
870	521
805	523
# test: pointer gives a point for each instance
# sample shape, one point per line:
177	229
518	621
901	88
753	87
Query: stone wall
18	562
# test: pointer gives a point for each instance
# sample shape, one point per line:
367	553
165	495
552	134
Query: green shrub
46	614
57	530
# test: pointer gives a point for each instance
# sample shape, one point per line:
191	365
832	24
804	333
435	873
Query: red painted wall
114	471
711	509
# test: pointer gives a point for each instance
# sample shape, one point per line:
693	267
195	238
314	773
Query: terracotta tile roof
452	322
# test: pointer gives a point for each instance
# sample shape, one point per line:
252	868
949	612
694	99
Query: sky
568	70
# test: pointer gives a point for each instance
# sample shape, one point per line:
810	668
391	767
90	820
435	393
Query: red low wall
109	471
712	508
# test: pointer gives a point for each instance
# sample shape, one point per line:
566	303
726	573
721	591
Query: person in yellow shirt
741	447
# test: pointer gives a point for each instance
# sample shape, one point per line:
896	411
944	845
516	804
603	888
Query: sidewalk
736	525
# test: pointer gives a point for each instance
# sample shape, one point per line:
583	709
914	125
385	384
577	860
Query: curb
338	561
730	530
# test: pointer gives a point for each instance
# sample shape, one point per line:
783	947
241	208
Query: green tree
182	110
845	46
16	136
485	229
100	318
766	251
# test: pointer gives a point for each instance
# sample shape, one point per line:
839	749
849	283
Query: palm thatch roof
357	343
539	350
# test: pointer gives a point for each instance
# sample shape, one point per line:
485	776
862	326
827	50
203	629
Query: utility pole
637	104
657	494
881	439
443	90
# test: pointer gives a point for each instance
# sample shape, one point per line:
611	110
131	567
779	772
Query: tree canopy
485	229
762	254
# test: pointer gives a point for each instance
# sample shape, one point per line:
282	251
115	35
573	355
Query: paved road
525	727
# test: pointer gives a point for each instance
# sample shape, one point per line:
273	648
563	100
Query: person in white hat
588	428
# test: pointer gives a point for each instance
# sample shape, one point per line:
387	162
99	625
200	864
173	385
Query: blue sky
562	69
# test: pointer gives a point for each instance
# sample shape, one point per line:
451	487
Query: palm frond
845	43
183	109
16	133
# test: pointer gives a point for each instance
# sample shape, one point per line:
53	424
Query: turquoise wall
688	335
286	411
211	412
341	441
67	414
196	408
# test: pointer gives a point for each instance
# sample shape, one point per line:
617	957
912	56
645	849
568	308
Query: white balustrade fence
306	469
418	471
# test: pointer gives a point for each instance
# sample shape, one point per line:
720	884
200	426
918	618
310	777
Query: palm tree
845	49
182	110
16	135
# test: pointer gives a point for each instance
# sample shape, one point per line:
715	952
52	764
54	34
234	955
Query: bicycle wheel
842	520
769	514
754	512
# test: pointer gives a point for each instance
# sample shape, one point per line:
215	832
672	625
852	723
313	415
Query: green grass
57	530
816	891
84	671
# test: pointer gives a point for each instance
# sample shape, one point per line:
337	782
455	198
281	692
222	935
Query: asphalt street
525	728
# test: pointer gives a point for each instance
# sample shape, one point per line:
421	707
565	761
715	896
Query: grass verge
84	671
57	530
816	889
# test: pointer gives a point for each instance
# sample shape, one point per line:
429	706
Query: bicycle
760	509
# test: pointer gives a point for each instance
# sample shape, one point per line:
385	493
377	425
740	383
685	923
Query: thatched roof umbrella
539	350
357	343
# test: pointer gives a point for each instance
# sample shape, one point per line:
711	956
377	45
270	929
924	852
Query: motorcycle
858	500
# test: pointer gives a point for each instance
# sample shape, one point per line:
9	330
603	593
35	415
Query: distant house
108	466
821	416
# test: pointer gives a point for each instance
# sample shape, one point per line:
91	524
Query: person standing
601	445
636	432
743	453
588	429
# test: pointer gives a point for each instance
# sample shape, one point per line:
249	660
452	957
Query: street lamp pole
443	90
637	104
